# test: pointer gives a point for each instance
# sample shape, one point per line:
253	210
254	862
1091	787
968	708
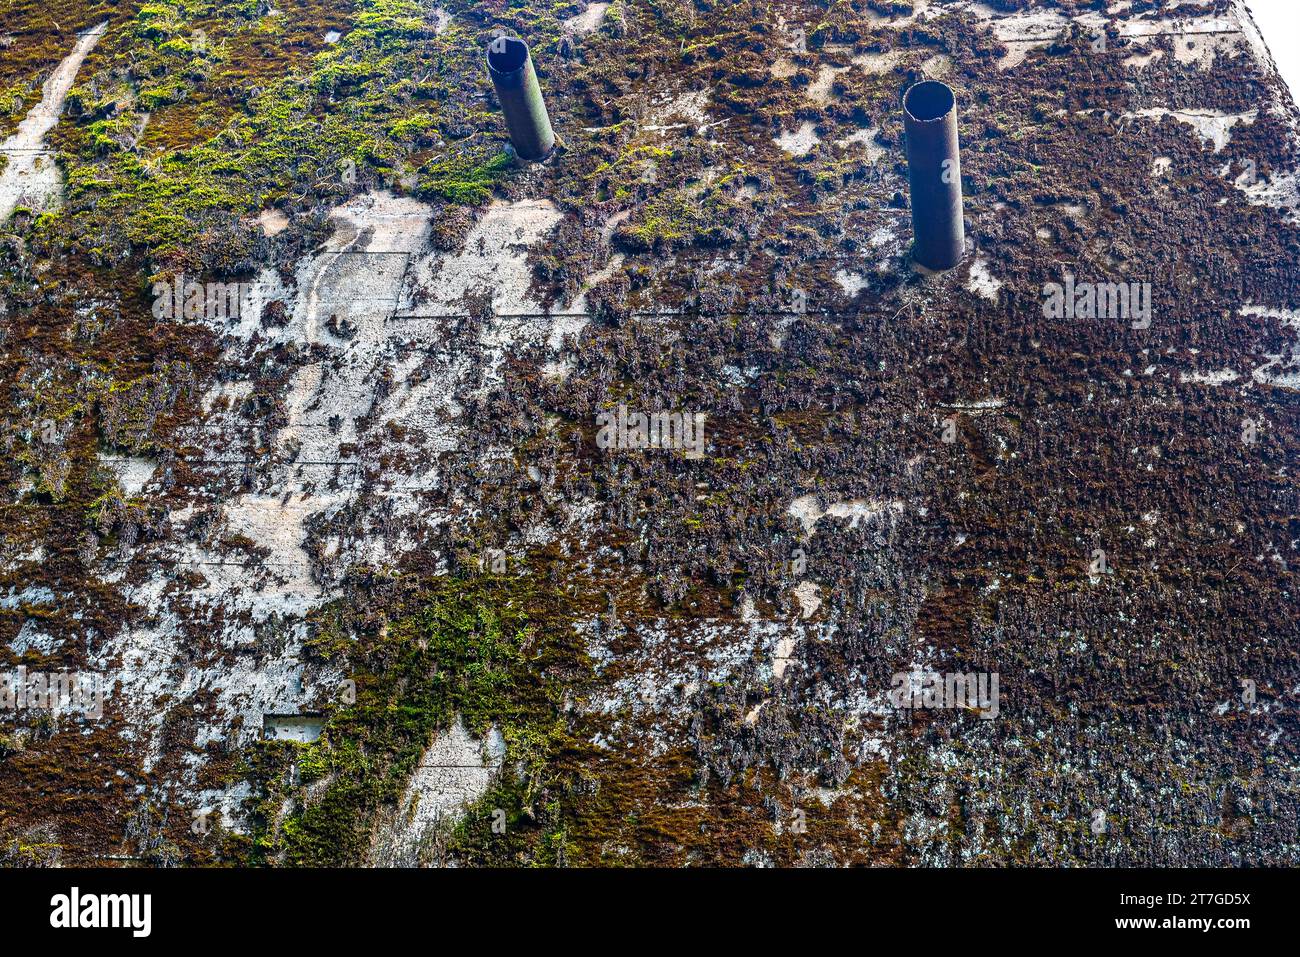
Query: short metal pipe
511	69
934	174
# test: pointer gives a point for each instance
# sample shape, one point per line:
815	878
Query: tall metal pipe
934	174
511	69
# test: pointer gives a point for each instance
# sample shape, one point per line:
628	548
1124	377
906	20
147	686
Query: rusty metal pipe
511	68
934	174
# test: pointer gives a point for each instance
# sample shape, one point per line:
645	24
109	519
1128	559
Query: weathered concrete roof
378	484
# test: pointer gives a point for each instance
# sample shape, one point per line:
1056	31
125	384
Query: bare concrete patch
806	593
982	282
279	524
784	653
821	90
133	472
31	177
809	511
492	263
879	62
454	772
272	221
800	141
938	66
691	106
1266	374
1218	377
1196	40
589	20
1213	126
1281	191
866	138
1027	30
783	68
851	282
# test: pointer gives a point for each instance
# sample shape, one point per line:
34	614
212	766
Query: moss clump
462	649
681	218
462	179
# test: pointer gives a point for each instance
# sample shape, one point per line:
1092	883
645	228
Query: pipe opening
929	101
507	54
